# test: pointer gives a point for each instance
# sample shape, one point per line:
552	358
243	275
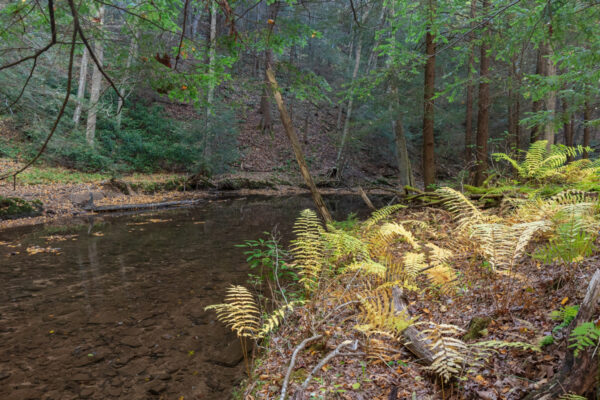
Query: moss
476	327
14	207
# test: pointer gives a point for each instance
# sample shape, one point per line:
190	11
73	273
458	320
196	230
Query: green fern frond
344	244
584	335
571	396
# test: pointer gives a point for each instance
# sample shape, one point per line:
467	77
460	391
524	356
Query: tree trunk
405	175
428	111
83	69
484	105
291	134
90	131
550	100
513	108
133	47
538	105
211	62
587	129
266	122
338	159
470	90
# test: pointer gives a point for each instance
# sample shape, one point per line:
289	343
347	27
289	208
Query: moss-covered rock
14	207
477	327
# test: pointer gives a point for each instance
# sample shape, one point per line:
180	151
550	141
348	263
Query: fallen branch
298	349
132	207
414	340
366	198
336	352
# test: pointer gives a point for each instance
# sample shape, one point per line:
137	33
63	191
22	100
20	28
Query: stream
113	306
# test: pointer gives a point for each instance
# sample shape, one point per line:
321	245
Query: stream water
113	307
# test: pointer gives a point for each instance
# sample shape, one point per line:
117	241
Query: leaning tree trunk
428	112
291	134
83	69
90	130
577	375
470	89
483	116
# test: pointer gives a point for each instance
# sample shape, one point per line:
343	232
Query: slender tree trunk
550	100
470	89
291	133
133	47
266	123
90	131
211	61
405	173
338	159
514	108
83	69
587	129
538	105
428	110
484	105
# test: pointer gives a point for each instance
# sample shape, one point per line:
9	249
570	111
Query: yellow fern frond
463	210
239	312
380	215
368	267
413	263
378	314
276	317
308	248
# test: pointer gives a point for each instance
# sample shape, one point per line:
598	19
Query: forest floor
516	307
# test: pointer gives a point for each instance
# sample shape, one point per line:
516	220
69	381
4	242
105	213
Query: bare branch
185	7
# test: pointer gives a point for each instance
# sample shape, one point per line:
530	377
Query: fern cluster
584	335
543	162
308	248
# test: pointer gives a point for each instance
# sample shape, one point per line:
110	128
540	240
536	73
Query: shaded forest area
479	279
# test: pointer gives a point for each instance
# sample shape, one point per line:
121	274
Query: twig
301	346
332	354
185	7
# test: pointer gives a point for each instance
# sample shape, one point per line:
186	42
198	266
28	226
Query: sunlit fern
542	164
344	245
463	210
572	396
379	316
381	240
381	214
368	267
308	248
502	245
239	312
382	350
450	354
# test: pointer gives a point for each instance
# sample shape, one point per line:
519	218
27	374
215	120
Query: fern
379	316
584	335
450	354
344	244
542	164
571	396
276	317
564	315
465	212
368	267
381	214
308	248
239	312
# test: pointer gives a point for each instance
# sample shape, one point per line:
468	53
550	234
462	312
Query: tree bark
291	134
587	129
470	89
483	116
428	111
83	69
133	47
550	100
514	107
405	173
538	105
266	122
211	64
339	159
90	130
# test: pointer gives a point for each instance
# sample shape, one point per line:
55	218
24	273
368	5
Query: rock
228	356
24	394
131	341
476	326
86	198
114	391
14	207
156	387
4	375
81	377
86	392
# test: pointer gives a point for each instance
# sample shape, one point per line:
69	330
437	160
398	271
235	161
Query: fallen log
578	375
414	340
146	206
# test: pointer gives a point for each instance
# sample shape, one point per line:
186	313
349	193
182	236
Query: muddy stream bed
113	306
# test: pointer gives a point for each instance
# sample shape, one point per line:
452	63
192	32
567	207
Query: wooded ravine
450	248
